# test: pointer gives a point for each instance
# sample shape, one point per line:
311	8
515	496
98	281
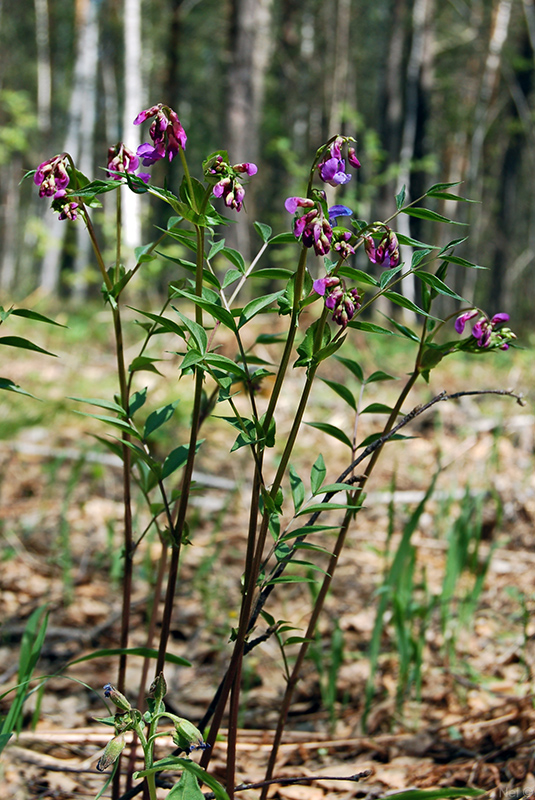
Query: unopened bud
187	736
113	750
116	697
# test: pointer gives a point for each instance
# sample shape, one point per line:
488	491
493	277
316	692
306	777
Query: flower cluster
332	166
312	229
227	179
122	160
166	132
386	253
343	302
51	176
484	329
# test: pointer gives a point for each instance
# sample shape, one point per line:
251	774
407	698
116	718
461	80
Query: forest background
431	90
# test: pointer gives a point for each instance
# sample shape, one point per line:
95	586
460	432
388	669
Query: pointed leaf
96	401
263	230
331	430
25	312
25	344
343	392
256	306
425	213
298	489
317	474
159	418
438	285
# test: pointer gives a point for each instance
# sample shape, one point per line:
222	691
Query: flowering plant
337	299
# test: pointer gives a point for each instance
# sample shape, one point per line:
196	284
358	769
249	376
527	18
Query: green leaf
283	238
402	239
342	391
144	363
462	262
450	196
256	306
177	458
388	274
136	401
438	285
419	256
176	762
235	257
353	366
425	213
158	418
213	308
264	231
187	788
166	324
231	276
24	312
400	198
331	430
25	344
33	638
317	474
290	579
453	243
9	386
197	332
404	302
374	436
358	275
313	507
298	489
379	375
116	423
144	652
215	248
436	794
439	187
370	327
95	401
272	273
377	408
404	330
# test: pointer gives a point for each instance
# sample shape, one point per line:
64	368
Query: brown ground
475	721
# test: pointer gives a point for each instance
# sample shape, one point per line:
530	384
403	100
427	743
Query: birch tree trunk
250	48
131	205
420	55
79	138
44	72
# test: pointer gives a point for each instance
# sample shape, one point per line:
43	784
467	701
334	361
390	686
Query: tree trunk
79	138
44	73
250	48
131	203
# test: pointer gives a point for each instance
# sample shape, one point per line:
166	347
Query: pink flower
51	176
166	132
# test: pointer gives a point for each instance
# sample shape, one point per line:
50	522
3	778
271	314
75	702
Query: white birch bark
44	73
252	51
131	205
79	138
420	41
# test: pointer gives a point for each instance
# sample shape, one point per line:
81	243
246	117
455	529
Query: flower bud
113	750
116	697
187	736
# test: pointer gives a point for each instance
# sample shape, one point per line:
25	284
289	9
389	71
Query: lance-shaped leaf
25	344
159	418
331	430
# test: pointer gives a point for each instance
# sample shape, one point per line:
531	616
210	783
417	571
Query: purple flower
312	229
293	203
51	176
461	321
166	132
338	211
343	302
121	159
322	285
332	166
484	329
227	177
386	253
